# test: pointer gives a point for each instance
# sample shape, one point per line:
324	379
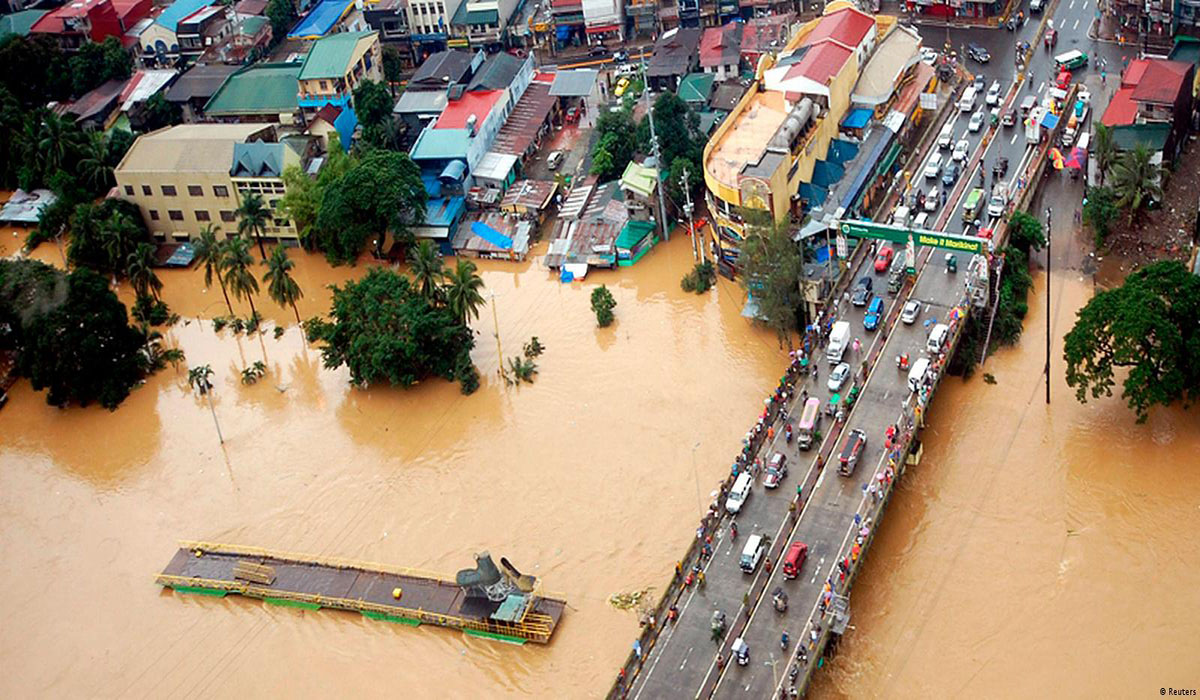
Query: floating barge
488	601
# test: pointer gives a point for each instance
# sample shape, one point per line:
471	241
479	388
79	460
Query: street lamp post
1049	213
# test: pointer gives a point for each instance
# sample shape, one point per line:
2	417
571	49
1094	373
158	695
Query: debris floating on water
628	601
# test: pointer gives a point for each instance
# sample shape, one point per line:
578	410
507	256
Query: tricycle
741	651
951	262
831	408
780	600
902	361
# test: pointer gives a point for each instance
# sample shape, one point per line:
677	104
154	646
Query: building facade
335	66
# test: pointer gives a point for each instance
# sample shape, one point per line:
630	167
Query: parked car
621	56
622	86
883	259
950	175
862	291
977	53
993	94
874	311
776	470
838	376
933	166
976	122
554	160
1036	6
597	51
912	309
961	149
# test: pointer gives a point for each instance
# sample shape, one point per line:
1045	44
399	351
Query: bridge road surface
685	655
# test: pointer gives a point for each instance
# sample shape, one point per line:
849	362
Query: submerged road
684	662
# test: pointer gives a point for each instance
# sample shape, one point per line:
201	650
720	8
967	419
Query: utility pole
1048	215
697	250
662	213
496	323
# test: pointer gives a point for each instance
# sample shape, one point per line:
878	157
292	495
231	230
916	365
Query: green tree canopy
1104	149
70	332
282	14
281	287
372	103
616	140
462	291
383	329
771	266
1025	232
104	235
1100	211
158	113
381	192
603	304
1148	327
1136	181
301	202
238	264
94	63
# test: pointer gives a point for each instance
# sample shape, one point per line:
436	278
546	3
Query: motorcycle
783	642
787	433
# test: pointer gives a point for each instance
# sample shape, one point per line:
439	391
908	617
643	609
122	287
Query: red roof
106	17
329	114
1161	82
457	111
1134	72
1121	108
721	45
847	27
821	62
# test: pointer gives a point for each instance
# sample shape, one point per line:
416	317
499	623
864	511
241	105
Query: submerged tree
462	291
210	253
253	215
603	304
282	289
238	263
771	267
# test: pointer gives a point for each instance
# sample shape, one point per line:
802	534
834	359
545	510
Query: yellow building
186	177
335	66
768	146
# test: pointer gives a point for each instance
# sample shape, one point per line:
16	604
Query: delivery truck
839	338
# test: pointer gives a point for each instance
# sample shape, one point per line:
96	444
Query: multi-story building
159	41
642	17
77	23
186	177
390	19
721	50
568	21
604	20
429	25
482	24
676	53
335	66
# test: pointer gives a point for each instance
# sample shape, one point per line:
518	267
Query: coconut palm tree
282	289
93	167
238	263
427	268
139	268
198	379
462	291
56	138
253	215
1136	180
1105	150
210	253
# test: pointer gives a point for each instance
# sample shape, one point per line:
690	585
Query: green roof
441	144
20	22
1153	136
639	178
250	25
633	232
475	17
696	87
266	88
330	56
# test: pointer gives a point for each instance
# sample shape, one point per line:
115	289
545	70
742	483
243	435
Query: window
146	190
154	215
220	191
168	190
202	215
227	216
175	215
195	191
128	190
324	85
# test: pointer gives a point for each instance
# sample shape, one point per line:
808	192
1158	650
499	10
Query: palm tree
210	253
253	215
1136	180
198	380
55	140
139	268
282	289
427	267
462	291
237	265
1105	150
92	166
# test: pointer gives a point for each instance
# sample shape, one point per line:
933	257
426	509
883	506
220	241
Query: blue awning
841	151
564	32
826	173
491	235
866	170
454	171
1049	121
857	118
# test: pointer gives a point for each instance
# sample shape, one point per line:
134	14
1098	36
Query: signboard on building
928	100
900	234
841	246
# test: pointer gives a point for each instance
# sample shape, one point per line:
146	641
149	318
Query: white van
739	493
900	216
937	339
752	553
917	373
921	220
946	137
967	102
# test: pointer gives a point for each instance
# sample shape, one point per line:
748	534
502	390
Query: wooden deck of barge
312	583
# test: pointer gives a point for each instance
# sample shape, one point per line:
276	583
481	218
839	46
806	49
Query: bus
810	420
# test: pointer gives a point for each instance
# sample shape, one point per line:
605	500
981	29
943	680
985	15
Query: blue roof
866	169
491	235
454	171
1049	120
441	144
320	20
444	211
179	9
857	118
257	159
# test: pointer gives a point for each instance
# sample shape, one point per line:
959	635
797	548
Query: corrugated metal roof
320	19
178	10
266	88
421	102
20	22
441	144
574	83
199	81
330	56
525	120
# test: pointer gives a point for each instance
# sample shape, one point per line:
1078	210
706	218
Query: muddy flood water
590	478
1033	550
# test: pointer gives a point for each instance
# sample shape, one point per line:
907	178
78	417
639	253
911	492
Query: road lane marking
1076	25
1013	139
1071	6
1042	86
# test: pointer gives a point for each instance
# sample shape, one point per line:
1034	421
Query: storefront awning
602	29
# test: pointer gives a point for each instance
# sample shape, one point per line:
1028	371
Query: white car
928	56
933	198
996	205
960	150
934	165
838	376
976	122
911	310
993	93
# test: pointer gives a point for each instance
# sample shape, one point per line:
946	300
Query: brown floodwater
1036	551
590	478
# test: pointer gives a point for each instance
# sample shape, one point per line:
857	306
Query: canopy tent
491	235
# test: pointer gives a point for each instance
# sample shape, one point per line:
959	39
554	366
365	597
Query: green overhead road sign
899	234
